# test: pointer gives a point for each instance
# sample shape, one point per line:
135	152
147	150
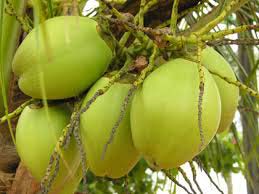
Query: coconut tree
163	95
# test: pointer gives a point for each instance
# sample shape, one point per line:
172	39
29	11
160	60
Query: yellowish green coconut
229	94
96	126
37	133
61	58
164	114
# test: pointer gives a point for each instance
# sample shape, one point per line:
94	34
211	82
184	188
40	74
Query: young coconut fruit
164	114
229	94
96	124
37	133
61	58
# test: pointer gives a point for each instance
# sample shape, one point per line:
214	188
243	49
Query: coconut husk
5	181
23	182
9	159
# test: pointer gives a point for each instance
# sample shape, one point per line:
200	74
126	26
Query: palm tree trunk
250	128
229	183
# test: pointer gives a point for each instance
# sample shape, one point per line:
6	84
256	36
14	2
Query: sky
239	183
239	186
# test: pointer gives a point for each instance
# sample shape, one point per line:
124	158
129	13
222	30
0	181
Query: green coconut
164	114
61	58
96	125
37	133
229	94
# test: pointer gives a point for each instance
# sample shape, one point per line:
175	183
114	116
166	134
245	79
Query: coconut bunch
158	119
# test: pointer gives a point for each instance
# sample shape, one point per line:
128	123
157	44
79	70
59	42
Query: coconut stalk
9	38
228	179
9	41
249	120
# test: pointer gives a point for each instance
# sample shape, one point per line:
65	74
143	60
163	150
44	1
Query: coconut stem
208	175
174	17
186	179
105	88
126	35
63	141
50	8
141	13
128	97
218	19
126	185
10	10
227	41
119	120
172	178
183	13
138	35
54	175
194	176
223	33
79	142
73	128
201	93
17	111
240	85
148	69
45	182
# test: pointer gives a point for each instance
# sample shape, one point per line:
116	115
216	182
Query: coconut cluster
65	56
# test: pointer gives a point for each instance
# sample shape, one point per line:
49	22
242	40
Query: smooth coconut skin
96	124
61	58
37	132
164	114
229	94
